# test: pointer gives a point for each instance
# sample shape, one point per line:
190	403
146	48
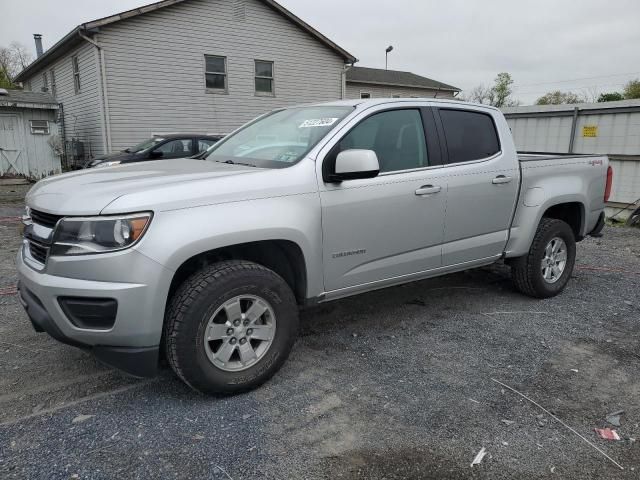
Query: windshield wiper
231	162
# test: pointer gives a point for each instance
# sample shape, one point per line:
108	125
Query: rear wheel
230	327
546	269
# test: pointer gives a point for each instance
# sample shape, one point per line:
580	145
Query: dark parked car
179	145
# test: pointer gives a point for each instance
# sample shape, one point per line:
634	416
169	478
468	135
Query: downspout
345	68
104	104
574	124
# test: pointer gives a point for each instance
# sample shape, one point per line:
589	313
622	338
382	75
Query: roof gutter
48	56
129	13
387	84
55	51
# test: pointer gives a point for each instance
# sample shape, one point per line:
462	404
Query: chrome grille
43	218
38	251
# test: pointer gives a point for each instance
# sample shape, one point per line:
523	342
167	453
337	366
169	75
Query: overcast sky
545	44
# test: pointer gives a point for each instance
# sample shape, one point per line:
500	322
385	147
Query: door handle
501	179
428	190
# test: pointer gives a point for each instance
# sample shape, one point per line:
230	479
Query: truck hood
159	184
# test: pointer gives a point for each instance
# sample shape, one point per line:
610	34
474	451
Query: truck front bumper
130	340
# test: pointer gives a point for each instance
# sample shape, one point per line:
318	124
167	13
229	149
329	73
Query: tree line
500	94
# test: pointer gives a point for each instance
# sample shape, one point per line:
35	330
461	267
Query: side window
215	76
204	143
264	77
54	89
469	135
76	73
178	148
397	137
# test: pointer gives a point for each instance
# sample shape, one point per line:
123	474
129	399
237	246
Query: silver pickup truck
205	262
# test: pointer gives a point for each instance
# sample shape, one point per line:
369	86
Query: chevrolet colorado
206	261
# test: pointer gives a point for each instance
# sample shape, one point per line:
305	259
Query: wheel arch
572	213
284	257
568	208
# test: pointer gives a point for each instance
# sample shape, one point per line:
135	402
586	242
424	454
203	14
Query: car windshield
278	139
144	145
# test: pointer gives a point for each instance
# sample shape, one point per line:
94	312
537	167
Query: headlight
108	164
82	236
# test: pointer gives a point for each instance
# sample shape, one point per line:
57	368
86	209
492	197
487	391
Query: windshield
278	139
144	145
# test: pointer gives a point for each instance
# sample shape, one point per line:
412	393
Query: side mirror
354	164
156	154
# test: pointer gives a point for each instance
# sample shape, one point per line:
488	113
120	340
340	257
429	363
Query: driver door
379	230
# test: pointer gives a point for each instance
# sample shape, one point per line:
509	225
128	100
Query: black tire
199	297
526	271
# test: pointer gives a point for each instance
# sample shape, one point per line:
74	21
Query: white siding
82	114
353	90
34	158
541	134
618	135
155	68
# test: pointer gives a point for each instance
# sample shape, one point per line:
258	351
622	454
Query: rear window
470	135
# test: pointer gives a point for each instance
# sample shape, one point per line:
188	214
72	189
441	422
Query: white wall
82	114
618	135
155	68
36	158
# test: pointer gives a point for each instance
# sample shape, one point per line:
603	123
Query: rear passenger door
483	186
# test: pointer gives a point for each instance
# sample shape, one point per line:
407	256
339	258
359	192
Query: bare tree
13	59
479	94
21	54
498	95
591	94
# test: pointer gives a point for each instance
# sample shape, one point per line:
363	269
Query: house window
52	74
215	73
264	77
45	82
365	95
39	127
76	73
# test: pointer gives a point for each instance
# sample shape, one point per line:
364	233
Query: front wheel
546	269
230	327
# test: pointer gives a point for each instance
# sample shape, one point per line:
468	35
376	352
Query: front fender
178	235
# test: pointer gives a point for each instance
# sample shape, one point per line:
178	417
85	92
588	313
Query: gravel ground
392	384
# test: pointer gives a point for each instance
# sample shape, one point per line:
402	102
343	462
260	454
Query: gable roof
395	78
22	99
73	38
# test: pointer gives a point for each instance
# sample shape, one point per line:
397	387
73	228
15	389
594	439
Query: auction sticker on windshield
318	122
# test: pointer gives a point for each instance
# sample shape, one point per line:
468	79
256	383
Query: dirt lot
392	384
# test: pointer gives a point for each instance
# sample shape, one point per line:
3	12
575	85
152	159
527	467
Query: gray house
29	142
365	82
203	66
